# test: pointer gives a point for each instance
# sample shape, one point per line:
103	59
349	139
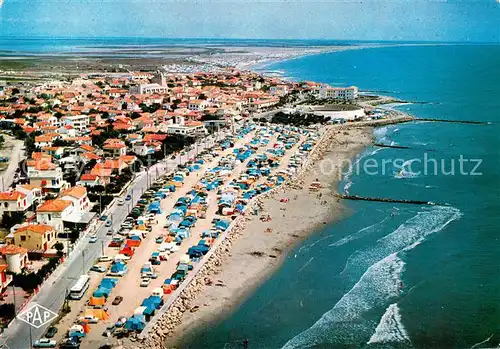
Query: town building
78	122
54	212
114	148
16	257
344	93
33	237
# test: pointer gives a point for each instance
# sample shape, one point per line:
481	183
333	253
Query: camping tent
154	207
93	301
109	282
98	313
101	292
134	324
118	268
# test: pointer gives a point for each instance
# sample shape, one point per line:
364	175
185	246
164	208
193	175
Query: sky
401	20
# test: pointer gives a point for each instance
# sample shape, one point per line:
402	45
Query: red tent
127	251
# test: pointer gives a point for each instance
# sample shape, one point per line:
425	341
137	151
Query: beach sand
260	248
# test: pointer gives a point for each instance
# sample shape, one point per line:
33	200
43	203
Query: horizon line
38	37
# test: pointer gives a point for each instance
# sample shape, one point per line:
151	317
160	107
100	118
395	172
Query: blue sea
396	275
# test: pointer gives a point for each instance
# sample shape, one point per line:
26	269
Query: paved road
17	154
52	293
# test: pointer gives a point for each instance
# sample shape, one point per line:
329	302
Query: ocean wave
360	233
347	186
357	159
414	230
380	132
405	174
380	283
376	151
390	328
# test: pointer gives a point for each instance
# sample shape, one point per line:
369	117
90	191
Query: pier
396	201
454	121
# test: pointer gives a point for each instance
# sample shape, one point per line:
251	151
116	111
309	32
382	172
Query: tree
8	312
61	143
59	247
10	219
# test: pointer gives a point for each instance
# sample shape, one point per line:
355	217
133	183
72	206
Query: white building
189	128
78	122
47	176
148	89
54	212
345	93
78	196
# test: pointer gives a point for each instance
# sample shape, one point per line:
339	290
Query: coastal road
20	335
16	154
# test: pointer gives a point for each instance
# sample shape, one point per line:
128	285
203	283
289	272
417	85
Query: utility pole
83	262
31	339
102	247
14	295
100	203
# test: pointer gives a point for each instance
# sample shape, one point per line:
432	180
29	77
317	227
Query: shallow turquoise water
396	276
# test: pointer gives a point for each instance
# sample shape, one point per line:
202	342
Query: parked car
90	319
69	343
109	232
103	218
128	198
145	282
121	202
45	343
159	239
93	238
115	243
117	300
149	275
127	225
98	269
109	223
51	332
104	259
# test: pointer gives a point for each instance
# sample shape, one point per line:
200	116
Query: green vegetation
10	219
149	108
298	119
29	281
59	247
107	133
7	312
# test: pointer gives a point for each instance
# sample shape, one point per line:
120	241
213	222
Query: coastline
254	254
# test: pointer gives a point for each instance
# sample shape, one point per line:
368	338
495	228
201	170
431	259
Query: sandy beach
258	248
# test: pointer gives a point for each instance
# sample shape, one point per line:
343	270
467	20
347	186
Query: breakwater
390	146
454	121
398	201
